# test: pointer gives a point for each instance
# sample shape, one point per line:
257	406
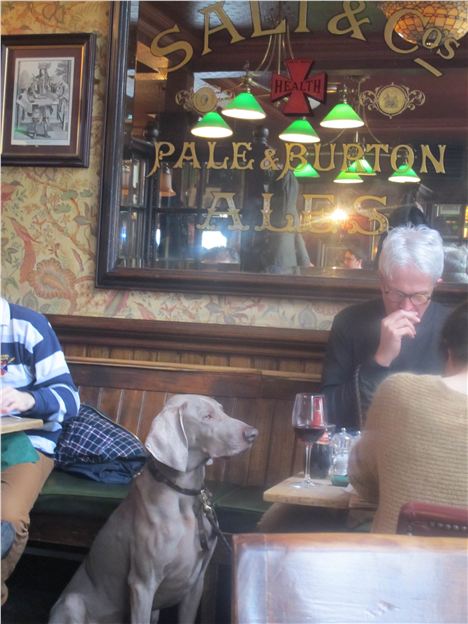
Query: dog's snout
250	434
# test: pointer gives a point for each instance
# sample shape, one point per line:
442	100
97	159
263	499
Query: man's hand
12	399
392	329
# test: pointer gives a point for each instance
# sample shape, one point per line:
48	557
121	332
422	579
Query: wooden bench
70	510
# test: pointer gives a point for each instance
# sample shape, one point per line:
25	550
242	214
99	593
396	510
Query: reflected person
266	251
285	252
353	257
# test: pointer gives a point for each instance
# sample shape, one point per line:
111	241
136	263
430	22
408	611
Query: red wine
309	434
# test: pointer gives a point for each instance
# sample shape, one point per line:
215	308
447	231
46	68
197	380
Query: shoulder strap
358	398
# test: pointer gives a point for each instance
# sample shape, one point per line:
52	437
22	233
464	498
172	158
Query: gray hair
419	247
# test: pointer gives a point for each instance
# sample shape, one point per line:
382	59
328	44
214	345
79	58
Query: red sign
298	86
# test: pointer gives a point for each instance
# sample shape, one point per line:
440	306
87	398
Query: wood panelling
259	348
128	368
132	393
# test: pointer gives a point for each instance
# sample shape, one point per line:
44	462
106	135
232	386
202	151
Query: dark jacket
350	374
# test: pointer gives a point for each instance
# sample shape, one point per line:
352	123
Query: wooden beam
116	333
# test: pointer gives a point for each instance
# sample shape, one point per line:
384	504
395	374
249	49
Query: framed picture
47	97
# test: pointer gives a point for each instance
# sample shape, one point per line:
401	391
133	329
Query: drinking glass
309	422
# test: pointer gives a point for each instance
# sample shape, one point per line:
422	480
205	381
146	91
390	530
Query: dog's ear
167	441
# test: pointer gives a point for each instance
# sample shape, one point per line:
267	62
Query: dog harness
205	508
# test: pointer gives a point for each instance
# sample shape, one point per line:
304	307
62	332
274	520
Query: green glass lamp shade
348	177
211	126
300	131
342	116
244	106
306	171
403	174
361	167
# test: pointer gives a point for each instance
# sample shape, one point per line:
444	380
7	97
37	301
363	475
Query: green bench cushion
69	495
238	508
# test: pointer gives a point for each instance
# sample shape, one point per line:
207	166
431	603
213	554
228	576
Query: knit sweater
33	361
414	447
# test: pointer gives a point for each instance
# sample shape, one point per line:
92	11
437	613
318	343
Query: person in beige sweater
415	443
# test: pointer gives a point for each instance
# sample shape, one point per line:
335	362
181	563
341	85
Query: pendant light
361	167
403	174
211	126
244	106
306	171
342	116
300	131
359	164
348	177
431	24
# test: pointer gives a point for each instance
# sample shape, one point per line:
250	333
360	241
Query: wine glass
309	422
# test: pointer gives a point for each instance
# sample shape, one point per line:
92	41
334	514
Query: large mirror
207	188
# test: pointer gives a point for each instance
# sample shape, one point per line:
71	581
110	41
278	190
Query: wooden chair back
352	577
429	519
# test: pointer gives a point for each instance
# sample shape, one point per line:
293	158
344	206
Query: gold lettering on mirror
175	198
345	23
294	154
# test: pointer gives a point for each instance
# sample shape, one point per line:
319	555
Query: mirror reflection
265	138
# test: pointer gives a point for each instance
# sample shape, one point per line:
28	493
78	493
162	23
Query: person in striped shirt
35	382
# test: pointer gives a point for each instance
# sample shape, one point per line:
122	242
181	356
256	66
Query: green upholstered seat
239	508
70	495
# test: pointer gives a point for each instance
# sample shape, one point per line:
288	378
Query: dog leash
206	506
208	509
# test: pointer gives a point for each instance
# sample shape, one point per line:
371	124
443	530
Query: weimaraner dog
154	549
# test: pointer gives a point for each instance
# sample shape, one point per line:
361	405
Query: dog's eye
208	416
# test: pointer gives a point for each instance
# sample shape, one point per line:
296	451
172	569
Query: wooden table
9	424
322	495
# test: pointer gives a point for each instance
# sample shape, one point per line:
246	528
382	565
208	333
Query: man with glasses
398	332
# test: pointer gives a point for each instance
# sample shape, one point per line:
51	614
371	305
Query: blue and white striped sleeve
56	397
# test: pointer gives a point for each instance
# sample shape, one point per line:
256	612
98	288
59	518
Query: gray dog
153	551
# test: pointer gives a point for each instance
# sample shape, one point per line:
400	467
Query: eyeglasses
396	296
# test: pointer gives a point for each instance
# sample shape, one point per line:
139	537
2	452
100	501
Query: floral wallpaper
49	219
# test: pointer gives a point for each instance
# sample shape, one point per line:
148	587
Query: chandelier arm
279	52
368	129
334	138
288	43
254	83
273	52
260	66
